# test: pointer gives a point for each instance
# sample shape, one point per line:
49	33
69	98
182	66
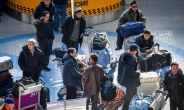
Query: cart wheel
99	107
113	65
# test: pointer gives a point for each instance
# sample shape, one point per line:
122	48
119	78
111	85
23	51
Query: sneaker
47	68
56	30
118	48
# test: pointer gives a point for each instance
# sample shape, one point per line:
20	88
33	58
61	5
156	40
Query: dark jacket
143	44
127	16
60	2
41	7
31	65
175	85
127	71
68	27
92	79
41	32
71	75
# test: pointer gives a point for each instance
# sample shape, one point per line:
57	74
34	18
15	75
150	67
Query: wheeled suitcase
131	28
44	96
149	83
5	63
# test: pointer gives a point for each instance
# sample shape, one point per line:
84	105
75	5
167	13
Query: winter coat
68	27
127	16
127	71
31	65
92	79
41	7
71	75
41	32
60	2
174	85
143	44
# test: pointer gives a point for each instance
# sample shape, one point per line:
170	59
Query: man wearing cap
132	14
31	60
9	104
128	75
145	42
1	103
73	28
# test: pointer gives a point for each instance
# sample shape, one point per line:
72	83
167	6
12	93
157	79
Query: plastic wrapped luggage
149	82
5	63
131	28
99	40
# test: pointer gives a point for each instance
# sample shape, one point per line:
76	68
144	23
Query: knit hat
78	10
9	101
134	47
1	102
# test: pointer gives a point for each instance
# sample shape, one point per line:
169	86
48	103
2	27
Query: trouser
63	14
174	105
71	92
94	100
74	44
130	92
120	39
46	47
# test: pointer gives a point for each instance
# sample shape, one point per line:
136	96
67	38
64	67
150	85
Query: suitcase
149	83
5	63
131	28
6	84
44	96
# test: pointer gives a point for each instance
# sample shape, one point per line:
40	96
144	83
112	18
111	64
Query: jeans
120	39
94	100
63	14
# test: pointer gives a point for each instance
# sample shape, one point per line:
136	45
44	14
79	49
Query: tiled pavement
164	19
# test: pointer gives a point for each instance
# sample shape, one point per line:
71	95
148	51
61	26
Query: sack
44	96
108	93
99	41
5	63
60	52
25	81
131	28
6	84
5	75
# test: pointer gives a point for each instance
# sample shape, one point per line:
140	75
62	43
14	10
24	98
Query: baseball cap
134	47
78	10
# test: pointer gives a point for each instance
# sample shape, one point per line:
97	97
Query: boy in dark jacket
128	76
145	42
31	60
71	75
45	5
174	86
73	28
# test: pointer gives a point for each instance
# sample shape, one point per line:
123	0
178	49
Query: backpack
99	41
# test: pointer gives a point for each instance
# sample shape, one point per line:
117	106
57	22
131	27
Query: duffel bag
108	93
5	63
99	41
60	52
131	28
44	96
25	81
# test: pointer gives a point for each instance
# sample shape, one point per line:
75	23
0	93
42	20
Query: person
92	79
31	60
45	5
59	4
45	36
1	103
130	15
71	75
128	75
73	28
174	86
145	42
8	104
1	8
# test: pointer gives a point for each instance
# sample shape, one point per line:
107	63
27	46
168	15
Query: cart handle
20	84
42	80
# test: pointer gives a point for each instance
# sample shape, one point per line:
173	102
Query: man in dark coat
45	36
73	28
145	42
128	76
130	15
174	86
31	60
71	75
45	5
92	79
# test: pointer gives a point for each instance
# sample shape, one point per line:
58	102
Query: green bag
44	96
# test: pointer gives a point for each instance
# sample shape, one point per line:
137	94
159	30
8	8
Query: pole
72	7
